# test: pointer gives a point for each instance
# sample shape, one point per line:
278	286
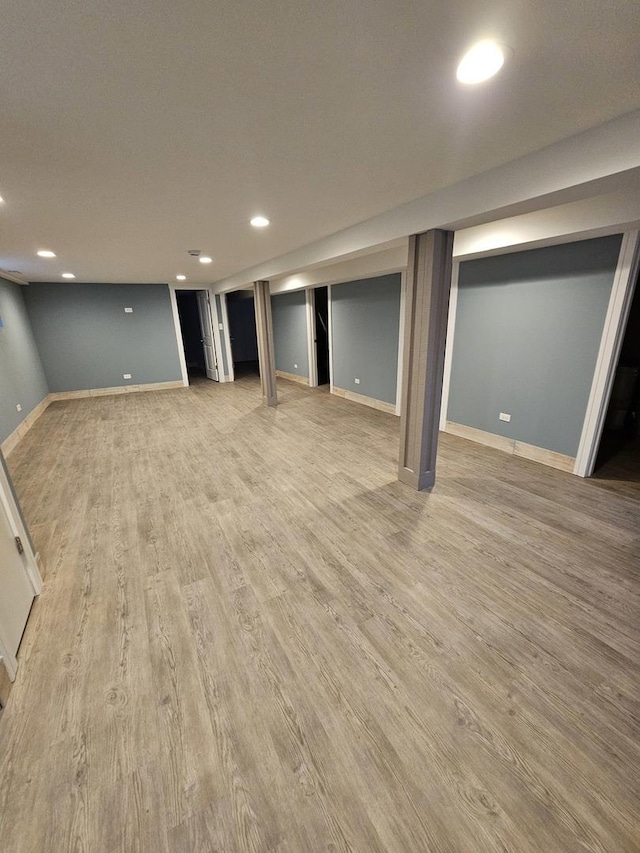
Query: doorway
321	313
619	449
242	333
196	329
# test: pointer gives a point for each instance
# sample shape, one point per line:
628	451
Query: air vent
195	253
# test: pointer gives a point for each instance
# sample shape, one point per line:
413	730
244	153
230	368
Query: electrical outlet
504	417
128	310
357	381
18	407
220	326
296	366
126	376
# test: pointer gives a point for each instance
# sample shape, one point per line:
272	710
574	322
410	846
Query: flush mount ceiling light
181	278
46	253
480	63
1	200
259	221
68	275
205	259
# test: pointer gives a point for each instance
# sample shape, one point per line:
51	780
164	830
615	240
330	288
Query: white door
16	591
206	328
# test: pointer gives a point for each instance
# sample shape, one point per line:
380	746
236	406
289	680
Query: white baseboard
380	405
12	440
292	377
515	448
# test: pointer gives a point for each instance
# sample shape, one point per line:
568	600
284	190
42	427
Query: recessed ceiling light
205	259
259	221
181	278
1	200
68	275
480	63
46	253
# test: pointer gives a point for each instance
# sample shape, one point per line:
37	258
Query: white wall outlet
18	407
357	381
504	417
221	327
128	310
296	366
126	376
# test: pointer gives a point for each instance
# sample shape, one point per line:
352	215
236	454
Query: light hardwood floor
252	638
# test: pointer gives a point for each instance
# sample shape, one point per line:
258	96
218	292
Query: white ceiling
134	131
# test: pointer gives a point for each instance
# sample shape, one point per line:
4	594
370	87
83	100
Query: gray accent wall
365	329
527	334
22	378
86	340
289	312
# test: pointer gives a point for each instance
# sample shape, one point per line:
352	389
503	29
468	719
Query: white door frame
448	352
330	322
312	346
609	353
227	336
178	328
17	527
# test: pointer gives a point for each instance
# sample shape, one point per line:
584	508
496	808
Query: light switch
128	310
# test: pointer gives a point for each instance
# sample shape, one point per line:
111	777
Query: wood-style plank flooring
253	638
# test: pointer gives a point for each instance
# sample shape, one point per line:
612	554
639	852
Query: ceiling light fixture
259	221
205	259
480	63
181	278
68	275
46	253
1	200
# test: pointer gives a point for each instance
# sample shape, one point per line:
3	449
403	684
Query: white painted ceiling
135	130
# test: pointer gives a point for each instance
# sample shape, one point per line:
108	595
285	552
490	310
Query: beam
426	310
266	352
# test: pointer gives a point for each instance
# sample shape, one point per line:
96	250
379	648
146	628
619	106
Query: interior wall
365	329
22	377
527	333
87	340
289	312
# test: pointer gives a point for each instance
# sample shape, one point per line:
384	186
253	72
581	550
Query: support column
266	352
426	309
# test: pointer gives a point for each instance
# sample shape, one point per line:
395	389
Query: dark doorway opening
619	450
321	310
242	333
189	314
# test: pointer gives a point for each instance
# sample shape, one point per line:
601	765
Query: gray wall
527	335
290	332
365	330
87	341
22	378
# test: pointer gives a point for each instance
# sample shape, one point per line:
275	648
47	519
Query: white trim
18	529
609	352
362	399
10	662
312	345
401	326
330	322
178	331
448	352
217	340
227	338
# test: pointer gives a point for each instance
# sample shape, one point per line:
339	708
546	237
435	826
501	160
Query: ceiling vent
195	253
